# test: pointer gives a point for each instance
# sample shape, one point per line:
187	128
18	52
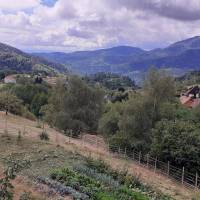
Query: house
10	79
191	98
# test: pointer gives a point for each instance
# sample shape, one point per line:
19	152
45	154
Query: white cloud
13	5
88	24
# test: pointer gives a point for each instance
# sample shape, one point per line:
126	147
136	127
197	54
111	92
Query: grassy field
45	158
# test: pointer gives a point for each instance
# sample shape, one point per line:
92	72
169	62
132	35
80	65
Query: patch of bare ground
88	147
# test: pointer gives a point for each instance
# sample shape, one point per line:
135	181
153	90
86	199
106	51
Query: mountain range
180	56
15	59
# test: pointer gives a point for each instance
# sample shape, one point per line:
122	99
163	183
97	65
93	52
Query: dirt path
87	147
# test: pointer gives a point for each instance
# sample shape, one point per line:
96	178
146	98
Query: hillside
61	151
115	60
183	55
14	59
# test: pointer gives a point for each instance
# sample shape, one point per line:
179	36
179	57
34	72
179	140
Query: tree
159	88
75	106
39	100
140	112
178	142
33	96
136	122
9	103
109	122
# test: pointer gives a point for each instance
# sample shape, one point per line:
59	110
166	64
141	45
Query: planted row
96	187
62	189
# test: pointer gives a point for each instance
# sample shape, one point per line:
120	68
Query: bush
25	196
103	178
19	136
44	136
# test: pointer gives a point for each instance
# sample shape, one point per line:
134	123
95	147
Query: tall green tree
159	87
178	142
109	122
9	103
74	105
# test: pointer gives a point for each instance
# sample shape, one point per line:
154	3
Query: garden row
95	180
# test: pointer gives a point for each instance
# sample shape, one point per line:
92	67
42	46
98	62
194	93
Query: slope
14	59
74	146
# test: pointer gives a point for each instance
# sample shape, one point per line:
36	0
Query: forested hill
114	60
124	60
14	59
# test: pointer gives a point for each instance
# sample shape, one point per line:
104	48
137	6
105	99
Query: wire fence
180	175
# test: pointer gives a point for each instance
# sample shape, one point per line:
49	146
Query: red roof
190	102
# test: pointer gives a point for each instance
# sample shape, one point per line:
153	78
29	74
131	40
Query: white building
10	79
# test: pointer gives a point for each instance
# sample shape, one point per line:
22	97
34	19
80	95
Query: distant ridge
183	54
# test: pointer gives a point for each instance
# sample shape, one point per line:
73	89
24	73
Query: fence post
155	167
183	174
196	181
133	155
96	143
147	160
119	151
125	152
168	168
140	157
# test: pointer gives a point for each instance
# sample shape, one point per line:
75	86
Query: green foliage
129	123
98	165
110	81
109	122
196	114
99	181
196	196
16	60
136	122
44	136
153	121
94	185
190	78
6	187
10	103
74	106
19	136
26	196
126	182
178	142
34	96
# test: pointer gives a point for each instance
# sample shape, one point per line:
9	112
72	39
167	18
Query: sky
74	25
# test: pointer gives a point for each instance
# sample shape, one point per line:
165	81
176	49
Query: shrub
26	196
103	178
98	165
19	136
44	136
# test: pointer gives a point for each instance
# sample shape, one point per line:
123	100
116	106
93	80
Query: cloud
176	9
16	5
69	25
